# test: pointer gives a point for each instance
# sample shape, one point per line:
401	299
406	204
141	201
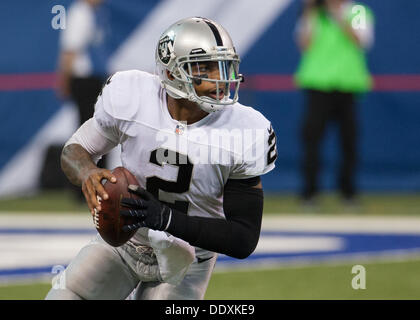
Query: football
108	221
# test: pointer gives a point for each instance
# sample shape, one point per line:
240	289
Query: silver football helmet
191	48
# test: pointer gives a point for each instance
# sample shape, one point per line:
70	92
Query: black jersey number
272	151
163	157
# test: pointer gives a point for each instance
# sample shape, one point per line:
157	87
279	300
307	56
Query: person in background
332	36
82	60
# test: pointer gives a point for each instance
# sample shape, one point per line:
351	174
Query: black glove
147	211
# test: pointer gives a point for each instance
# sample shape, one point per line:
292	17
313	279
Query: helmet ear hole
169	75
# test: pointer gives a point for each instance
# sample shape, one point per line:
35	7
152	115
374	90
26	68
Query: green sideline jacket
333	61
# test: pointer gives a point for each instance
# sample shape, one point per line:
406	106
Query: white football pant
101	271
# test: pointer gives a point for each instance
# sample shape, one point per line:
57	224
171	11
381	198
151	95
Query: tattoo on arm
75	161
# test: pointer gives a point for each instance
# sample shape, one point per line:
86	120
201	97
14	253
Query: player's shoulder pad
123	92
244	117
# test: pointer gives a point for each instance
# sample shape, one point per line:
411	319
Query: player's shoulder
124	82
258	141
124	92
246	117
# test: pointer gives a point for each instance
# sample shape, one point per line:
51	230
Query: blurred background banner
33	118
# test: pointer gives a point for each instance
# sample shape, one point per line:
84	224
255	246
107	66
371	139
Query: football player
197	153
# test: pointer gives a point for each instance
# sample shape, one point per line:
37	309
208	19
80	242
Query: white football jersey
186	166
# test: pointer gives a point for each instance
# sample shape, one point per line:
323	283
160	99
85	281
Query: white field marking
59	220
24	280
24	250
138	50
288	244
32	250
20	250
342	223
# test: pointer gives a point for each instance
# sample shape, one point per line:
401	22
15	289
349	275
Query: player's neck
184	110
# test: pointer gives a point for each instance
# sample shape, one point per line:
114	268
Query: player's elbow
244	247
68	156
65	157
243	253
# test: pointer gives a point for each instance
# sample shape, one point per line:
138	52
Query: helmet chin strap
205	106
173	92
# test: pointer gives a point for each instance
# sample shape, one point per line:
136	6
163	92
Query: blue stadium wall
389	140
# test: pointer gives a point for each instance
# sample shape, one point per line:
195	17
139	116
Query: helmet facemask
221	71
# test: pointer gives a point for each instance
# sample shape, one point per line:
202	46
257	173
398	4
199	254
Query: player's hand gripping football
147	210
92	187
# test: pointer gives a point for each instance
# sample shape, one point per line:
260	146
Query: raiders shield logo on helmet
166	47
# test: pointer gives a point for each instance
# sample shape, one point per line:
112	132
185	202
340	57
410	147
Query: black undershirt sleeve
238	235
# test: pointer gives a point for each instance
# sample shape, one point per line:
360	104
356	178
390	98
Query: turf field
390	280
385	279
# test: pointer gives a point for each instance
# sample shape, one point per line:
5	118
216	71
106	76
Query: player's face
207	70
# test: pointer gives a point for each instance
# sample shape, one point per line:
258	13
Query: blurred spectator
82	63
332	35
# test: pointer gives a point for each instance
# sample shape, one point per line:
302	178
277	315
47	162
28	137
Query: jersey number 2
163	157
272	152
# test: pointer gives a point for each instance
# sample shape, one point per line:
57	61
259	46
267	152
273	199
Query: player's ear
169	75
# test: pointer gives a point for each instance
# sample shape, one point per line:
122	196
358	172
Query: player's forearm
75	162
237	236
218	235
